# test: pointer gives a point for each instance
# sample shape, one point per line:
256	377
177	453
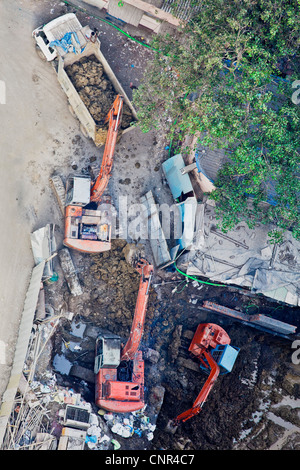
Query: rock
151	355
175	343
156	398
131	252
69	271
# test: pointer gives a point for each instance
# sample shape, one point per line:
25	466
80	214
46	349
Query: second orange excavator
211	345
87	224
119	372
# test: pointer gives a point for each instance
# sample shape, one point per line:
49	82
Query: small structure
154	15
182	190
43	246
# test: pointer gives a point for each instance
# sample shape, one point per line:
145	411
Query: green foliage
218	78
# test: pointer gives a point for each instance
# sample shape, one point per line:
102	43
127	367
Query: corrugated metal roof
209	162
181	9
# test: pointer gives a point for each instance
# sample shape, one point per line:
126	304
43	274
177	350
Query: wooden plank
153	10
151	23
128	13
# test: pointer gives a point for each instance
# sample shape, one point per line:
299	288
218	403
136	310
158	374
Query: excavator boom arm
113	118
137	327
202	397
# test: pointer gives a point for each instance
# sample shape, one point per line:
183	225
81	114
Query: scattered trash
116	444
91	439
124	431
66	343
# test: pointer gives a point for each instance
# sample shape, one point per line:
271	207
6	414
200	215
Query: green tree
219	77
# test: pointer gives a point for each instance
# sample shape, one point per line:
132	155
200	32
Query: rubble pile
96	90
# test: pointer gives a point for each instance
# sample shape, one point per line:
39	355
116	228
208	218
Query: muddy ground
256	406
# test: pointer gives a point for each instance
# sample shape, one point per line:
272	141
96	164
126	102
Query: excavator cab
224	355
108	347
78	190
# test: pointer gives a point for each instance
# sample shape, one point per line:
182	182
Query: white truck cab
55	30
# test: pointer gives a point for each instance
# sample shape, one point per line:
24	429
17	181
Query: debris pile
95	89
136	423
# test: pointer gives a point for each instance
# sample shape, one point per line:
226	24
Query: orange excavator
211	345
87	227
119	371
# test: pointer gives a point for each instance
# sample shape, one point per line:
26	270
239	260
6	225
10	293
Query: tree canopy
227	76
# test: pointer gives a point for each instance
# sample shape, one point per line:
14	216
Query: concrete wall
136	13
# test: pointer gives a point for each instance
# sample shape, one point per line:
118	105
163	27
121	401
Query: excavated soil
96	90
235	415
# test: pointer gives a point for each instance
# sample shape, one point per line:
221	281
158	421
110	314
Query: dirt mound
238	409
114	287
95	89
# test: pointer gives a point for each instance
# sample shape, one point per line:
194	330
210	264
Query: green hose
111	24
198	280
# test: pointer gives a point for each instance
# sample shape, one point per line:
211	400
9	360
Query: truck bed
88	125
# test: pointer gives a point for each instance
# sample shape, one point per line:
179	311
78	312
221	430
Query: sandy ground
39	137
36	137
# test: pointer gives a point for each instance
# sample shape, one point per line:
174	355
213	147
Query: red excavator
119	383
211	345
87	227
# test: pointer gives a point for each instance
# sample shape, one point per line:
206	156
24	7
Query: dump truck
66	44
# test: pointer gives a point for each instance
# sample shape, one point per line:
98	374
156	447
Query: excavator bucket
143	267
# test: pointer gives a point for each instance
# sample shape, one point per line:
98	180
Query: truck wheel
84	131
40	53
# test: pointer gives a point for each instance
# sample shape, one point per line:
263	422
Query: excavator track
69	271
58	188
184	358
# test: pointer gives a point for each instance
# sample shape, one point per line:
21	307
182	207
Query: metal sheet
178	182
158	242
26	322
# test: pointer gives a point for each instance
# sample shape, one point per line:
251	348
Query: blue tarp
66	43
178	182
180	185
